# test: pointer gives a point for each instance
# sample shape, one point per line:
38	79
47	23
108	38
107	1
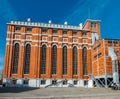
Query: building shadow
16	89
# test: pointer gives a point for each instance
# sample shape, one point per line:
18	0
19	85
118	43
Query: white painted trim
36	82
47	25
22	33
43	41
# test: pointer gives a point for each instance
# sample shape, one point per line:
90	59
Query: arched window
64	62
43	59
54	59
75	60
15	58
85	67
27	59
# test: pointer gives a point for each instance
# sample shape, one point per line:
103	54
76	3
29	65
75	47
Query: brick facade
76	36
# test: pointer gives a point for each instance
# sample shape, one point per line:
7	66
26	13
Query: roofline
110	39
41	24
91	21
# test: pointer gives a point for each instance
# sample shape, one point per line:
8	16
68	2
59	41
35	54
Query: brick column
32	61
69	63
89	61
6	62
21	61
48	62
80	63
10	61
59	62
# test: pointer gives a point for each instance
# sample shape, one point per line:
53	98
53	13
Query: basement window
43	82
65	82
85	82
75	82
54	82
26	81
14	81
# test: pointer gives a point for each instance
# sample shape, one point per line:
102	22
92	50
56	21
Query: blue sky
72	11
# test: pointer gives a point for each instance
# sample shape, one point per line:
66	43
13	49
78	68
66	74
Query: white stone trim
23	40
47	25
22	33
36	82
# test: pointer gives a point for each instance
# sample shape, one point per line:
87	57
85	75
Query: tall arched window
27	59
85	67
54	59
15	58
64	62
43	59
75	60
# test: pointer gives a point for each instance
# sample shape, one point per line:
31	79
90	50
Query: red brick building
62	55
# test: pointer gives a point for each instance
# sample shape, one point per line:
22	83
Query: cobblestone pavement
59	93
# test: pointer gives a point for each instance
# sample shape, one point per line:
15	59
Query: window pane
65	82
44	30
29	29
43	82
27	59
64	60
15	58
75	61
43	59
93	24
64	31
85	68
54	59
17	28
54	30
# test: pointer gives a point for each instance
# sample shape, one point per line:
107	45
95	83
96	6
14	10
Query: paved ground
59	93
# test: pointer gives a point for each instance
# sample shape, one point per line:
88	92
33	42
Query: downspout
113	56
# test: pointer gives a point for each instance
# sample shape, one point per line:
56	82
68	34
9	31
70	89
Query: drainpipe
112	54
106	86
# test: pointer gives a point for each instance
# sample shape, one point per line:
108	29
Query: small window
97	46
75	82
74	32
116	52
54	82
95	56
93	24
43	82
115	42
110	41
99	54
26	81
44	30
17	28
64	31
29	29
65	82
54	31
84	32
